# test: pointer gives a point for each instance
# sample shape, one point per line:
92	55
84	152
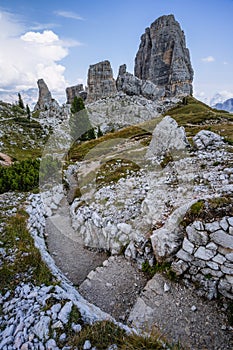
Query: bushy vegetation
21	176
165	268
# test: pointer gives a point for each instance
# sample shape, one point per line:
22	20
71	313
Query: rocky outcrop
168	138
76	90
45	100
132	85
101	83
206	139
163	57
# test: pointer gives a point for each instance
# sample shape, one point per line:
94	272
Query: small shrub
164	267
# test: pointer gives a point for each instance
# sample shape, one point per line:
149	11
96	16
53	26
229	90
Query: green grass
105	333
142	131
27	265
208	210
196	116
164	268
114	170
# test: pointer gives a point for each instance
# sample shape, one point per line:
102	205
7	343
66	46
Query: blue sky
58	40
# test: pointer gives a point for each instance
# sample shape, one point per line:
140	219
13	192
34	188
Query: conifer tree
20	101
28	112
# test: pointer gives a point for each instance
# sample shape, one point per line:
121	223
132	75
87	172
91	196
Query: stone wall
206	256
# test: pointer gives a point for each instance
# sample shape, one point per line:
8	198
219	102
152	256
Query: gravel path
116	286
67	248
180	314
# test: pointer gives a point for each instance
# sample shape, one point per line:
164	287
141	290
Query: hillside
112	186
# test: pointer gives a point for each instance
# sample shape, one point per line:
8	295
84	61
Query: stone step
114	287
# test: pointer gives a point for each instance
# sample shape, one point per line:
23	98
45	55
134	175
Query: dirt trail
117	287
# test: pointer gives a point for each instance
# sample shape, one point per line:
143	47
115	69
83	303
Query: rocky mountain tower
164	59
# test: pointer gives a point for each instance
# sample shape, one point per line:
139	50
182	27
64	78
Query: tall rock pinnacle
45	97
163	57
100	81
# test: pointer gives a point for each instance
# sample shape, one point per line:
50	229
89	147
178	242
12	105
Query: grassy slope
194	116
21	138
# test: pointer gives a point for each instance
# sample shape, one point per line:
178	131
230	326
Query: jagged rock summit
100	81
45	100
164	59
162	67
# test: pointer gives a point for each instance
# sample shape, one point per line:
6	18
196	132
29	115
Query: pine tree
20	101
77	105
28	112
91	134
99	132
80	126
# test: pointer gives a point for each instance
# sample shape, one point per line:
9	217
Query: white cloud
68	14
208	59
29	55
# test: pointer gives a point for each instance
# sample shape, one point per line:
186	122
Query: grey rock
163	57
6	341
166	287
179	267
212	226
65	312
212	246
188	246
227	270
212	265
76	90
224	224
128	83
230	220
167	137
193	308
198	225
41	329
131	85
214	273
207	139
229	257
223	239
183	255
204	254
76	327
196	237
51	345
101	83
45	99
87	345
219	258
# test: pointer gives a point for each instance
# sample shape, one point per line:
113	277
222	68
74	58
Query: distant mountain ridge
226	105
